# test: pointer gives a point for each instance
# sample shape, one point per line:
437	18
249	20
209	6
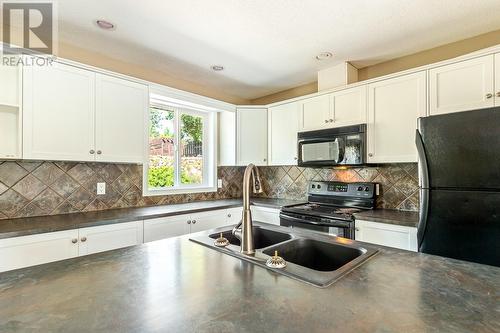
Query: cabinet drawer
387	235
109	237
266	215
166	227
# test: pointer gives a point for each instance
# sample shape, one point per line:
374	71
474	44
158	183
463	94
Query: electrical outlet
219	183
101	188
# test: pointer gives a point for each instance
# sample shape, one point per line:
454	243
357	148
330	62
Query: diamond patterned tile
111	196
109	172
133	196
65	185
95	205
30	210
81	172
294	172
3	188
11	202
393	173
65	166
11	173
29	166
65	208
368	174
407	185
48	200
81	198
29	187
48	173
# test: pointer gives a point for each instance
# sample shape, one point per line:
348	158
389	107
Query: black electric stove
330	207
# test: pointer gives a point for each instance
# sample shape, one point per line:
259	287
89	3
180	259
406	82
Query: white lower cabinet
109	237
390	235
172	226
24	251
265	214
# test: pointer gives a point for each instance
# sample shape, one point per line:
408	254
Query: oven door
313	224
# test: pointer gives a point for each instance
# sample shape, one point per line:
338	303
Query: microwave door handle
341	152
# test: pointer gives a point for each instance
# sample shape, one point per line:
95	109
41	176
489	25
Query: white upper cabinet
227	138
462	86
75	114
10	112
251	140
349	106
315	112
120	122
58	111
497	79
393	108
283	122
10	79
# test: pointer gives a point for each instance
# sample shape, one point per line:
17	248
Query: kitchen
148	188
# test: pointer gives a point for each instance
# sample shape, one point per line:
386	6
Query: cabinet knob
265	159
370	154
99	152
228	215
295	158
194	221
357	229
331	120
189	222
83	239
74	240
488	96
498	94
326	121
92	151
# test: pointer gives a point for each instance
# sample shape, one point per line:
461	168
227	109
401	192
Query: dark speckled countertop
176	285
36	225
390	216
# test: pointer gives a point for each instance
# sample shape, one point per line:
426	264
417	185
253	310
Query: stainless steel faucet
244	230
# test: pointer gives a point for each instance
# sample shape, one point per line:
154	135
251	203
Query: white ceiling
268	45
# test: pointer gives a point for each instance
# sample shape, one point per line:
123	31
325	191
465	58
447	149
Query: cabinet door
208	220
234	215
283	122
349	106
387	235
316	112
462	86
227	138
58	113
393	108
252	136
109	237
497	79
25	251
166	227
121	107
266	215
10	80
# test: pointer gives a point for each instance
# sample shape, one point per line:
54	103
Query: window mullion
177	160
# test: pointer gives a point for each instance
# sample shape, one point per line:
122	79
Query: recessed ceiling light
324	56
106	25
217	68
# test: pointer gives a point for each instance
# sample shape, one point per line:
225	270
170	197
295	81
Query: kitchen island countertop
176	285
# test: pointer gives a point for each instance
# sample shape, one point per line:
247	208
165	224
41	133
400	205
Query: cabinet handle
74	240
83	239
488	96
326	121
370	155
228	215
194	221
92	151
331	120
189	221
498	94
99	152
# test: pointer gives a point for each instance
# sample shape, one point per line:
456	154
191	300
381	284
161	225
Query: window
181	148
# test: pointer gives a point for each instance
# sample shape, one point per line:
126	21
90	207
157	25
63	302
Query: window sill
178	190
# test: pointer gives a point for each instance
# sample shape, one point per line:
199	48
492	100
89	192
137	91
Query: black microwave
341	146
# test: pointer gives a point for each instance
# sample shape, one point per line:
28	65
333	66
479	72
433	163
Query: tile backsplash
48	188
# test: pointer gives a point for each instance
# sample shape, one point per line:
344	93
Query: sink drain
276	261
221	241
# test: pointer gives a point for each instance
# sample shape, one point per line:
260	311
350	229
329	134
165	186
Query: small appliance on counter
330	207
331	147
459	158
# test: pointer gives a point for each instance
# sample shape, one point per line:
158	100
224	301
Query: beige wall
287	94
430	56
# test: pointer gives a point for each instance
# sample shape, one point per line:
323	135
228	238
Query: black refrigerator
459	172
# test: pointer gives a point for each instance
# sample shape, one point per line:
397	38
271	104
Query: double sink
313	258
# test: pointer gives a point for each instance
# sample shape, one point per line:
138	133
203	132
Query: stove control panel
365	190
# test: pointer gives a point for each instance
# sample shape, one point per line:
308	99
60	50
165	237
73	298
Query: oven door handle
299	220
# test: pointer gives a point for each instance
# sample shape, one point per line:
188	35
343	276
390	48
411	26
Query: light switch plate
101	188
219	183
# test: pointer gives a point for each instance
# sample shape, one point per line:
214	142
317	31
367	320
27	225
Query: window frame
209	144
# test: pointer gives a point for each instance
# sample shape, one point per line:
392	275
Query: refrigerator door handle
424	188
